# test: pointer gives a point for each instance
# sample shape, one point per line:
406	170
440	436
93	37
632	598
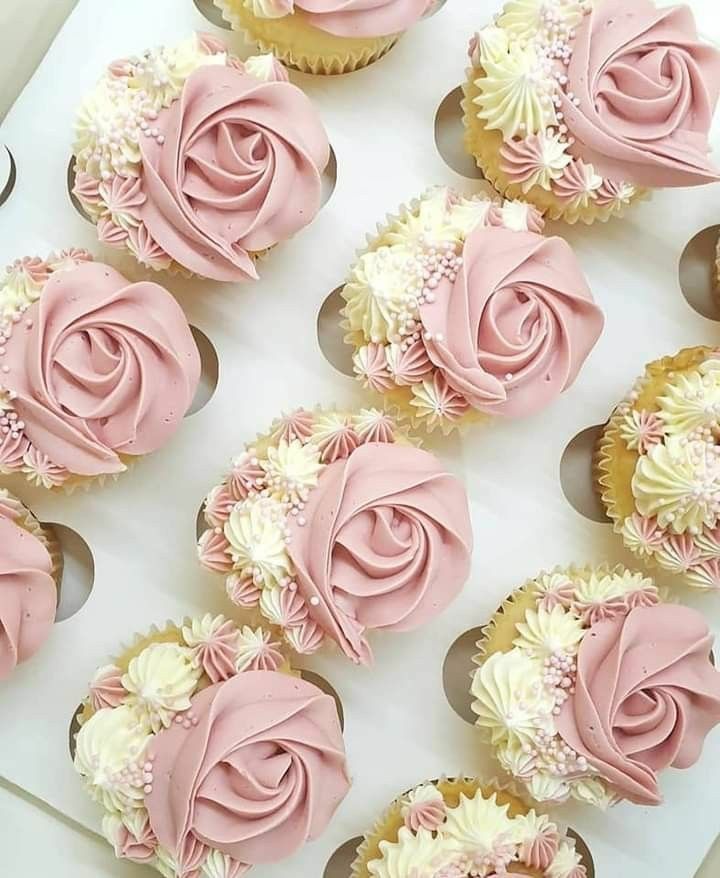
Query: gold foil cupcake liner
484	145
614	463
301	46
388	825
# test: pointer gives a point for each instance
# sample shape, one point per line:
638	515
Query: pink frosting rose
514	328
387	544
646	695
647	88
101	368
28	595
238	171
363	18
261	773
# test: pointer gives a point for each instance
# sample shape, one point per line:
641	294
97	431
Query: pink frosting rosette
362	18
510	332
646	696
262	771
387	544
641	93
235	168
28	594
97	368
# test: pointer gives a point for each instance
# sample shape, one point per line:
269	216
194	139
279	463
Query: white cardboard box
399	728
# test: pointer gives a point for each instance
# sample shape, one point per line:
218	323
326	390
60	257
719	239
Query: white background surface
141	530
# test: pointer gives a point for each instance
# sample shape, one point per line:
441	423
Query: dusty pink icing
262	772
411	364
239	171
521	158
28	595
297	425
217	655
339	444
425	815
646	695
647	88
107	689
387	544
138	848
101	368
517	323
363	18
214	550
242	590
375	370
539	852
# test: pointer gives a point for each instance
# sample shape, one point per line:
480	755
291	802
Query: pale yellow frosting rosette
298	44
484	145
453	791
614	462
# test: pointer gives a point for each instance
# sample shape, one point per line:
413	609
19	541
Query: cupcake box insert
141	530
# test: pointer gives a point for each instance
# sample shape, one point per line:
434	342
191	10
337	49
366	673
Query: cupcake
94	371
195	161
324	36
589	686
463	827
207	753
581	106
658	467
333	524
30	573
458	308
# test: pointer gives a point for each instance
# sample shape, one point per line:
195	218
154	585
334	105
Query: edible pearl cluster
429	266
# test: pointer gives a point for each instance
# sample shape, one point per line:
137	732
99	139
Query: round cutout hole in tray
78	575
457	672
8	174
212	13
74	200
338	866
450	136
324	686
209	372
576	474
698	273
330	334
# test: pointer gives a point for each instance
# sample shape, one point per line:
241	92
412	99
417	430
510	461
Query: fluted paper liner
304	47
387	827
484	145
27	521
614	463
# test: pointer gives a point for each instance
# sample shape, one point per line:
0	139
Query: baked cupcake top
597	98
208	753
334	524
28	593
461	828
460	308
589	686
659	467
194	160
347	18
93	369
